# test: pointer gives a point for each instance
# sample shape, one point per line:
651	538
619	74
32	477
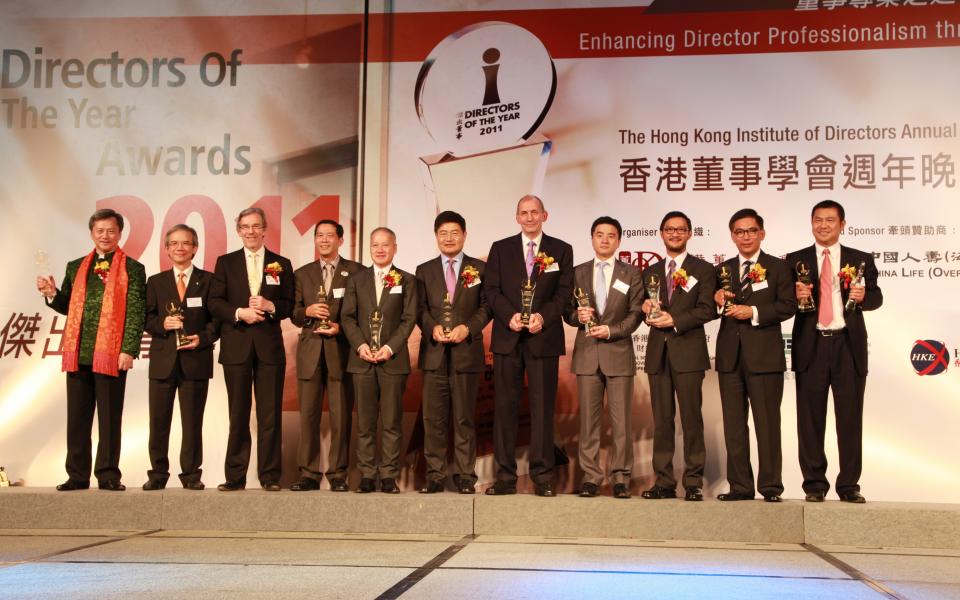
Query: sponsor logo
929	357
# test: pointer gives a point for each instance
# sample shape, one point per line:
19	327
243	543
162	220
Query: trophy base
806	309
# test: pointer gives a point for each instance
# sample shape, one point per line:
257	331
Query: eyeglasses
246	227
179	244
743	233
673	230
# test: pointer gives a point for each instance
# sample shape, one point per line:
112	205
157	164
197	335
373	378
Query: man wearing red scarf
103	298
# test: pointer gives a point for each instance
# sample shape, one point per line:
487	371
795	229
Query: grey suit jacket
311	346
399	310
622	314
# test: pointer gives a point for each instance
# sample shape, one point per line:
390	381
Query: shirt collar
261	253
457	260
678	259
188	272
753	259
537	241
333	263
834	250
610	262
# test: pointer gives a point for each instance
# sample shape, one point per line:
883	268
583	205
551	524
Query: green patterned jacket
136	306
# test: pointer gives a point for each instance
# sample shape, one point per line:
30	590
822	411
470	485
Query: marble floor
101	564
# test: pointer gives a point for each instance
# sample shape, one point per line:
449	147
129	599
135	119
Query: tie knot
601	265
531	244
182	276
826	252
673	263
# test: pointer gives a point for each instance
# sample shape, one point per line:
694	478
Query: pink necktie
670	269
530	258
826	290
451	279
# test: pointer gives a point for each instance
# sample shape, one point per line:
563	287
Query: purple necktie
530	258
670	269
451	279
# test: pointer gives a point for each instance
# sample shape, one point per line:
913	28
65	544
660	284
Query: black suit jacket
470	308
197	320
230	290
623	313
686	342
336	349
760	347
805	324
399	312
505	275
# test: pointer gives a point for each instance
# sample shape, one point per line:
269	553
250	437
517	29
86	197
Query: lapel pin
344	274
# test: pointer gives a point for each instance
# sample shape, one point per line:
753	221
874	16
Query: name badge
397	289
273	280
552	268
691	281
761	285
338	292
620	286
194	302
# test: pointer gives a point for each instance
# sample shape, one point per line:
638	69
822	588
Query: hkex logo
929	357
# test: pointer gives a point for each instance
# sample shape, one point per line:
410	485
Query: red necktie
826	290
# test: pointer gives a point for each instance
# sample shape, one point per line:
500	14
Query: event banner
385	117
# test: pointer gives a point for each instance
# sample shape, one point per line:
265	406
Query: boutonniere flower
543	261
273	269
469	275
392	279
101	269
679	279
757	273
847	274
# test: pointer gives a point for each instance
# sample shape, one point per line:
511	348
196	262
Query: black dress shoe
72	484
270	486
693	494
659	493
112	485
544	489
852	497
432	487
366	486
389	486
153	484
734	496
231	486
501	488
194	485
305	484
339	485
466	487
772	498
620	490
589	490
816	497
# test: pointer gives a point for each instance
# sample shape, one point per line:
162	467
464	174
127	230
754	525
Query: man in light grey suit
322	359
603	357
379	366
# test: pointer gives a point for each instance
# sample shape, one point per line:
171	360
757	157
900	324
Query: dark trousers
193	399
89	392
379	398
765	392
340	398
446	390
244	382
508	372
688	390
831	367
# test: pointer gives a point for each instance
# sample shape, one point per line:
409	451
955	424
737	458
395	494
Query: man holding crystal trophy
834	285
183	333
378	315
322	354
529	282
606	309
452	313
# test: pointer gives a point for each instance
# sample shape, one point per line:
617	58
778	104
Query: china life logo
929	357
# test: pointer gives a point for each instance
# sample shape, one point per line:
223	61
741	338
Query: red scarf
113	315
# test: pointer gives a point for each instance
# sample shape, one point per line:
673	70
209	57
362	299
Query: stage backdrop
597	107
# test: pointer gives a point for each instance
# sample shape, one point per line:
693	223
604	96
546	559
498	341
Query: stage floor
103	564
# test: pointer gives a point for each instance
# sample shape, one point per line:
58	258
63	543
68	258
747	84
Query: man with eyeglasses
252	291
183	332
750	357
830	352
102	296
677	357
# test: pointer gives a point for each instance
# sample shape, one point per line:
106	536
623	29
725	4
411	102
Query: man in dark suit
179	369
532	347
750	358
452	313
677	357
380	363
830	352
251	292
322	359
103	298
603	357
